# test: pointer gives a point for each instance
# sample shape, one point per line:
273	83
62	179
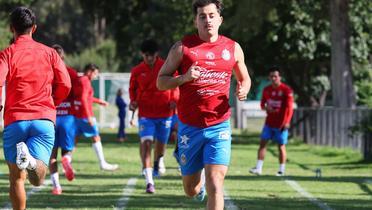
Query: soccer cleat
109	167
255	171
69	171
23	154
150	188
57	191
201	195
280	173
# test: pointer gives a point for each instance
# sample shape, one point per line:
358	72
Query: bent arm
61	81
166	80
241	74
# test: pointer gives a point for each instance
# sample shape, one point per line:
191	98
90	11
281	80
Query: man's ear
33	28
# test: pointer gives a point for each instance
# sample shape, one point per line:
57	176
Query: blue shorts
275	134
65	132
174	124
37	134
155	128
200	146
85	129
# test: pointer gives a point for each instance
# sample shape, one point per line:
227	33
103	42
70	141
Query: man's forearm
165	82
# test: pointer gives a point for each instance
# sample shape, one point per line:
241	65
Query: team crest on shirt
226	55
210	55
183	159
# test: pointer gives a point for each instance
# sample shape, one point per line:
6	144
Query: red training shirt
281	99
36	80
66	107
84	98
152	102
205	101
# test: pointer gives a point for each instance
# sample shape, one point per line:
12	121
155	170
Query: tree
343	93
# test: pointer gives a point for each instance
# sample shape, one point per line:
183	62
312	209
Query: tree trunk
343	93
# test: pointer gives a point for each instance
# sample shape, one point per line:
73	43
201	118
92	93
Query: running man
85	120
155	109
205	61
36	81
277	100
65	133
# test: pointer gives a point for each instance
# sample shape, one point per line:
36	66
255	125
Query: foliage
102	55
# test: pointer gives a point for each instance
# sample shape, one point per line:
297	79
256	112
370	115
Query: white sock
161	162
259	164
282	167
148	175
202	177
69	158
97	147
54	177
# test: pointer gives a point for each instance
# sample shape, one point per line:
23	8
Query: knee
215	183
36	182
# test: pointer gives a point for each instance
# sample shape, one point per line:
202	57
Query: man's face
92	74
149	58
275	78
208	20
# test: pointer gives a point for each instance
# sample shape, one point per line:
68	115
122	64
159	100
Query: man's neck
16	36
275	85
208	38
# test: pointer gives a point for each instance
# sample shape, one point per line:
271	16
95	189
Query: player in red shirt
205	61
36	81
65	133
83	109
155	110
277	100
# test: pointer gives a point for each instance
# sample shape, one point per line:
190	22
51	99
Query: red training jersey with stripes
66	107
36	80
152	102
84	98
281	100
205	101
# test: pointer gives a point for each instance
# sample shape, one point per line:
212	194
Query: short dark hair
90	67
149	46
202	3
274	68
58	48
22	19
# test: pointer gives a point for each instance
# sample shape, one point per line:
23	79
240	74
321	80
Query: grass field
346	181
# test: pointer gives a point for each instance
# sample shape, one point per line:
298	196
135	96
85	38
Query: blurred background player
121	105
65	133
85	120
36	81
206	61
277	100
155	109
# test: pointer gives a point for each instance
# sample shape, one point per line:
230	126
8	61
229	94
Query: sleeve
84	96
263	99
133	86
4	68
61	81
288	108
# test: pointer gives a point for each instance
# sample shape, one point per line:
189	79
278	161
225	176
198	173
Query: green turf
343	185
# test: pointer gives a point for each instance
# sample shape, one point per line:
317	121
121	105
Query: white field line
127	191
307	195
29	193
229	204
